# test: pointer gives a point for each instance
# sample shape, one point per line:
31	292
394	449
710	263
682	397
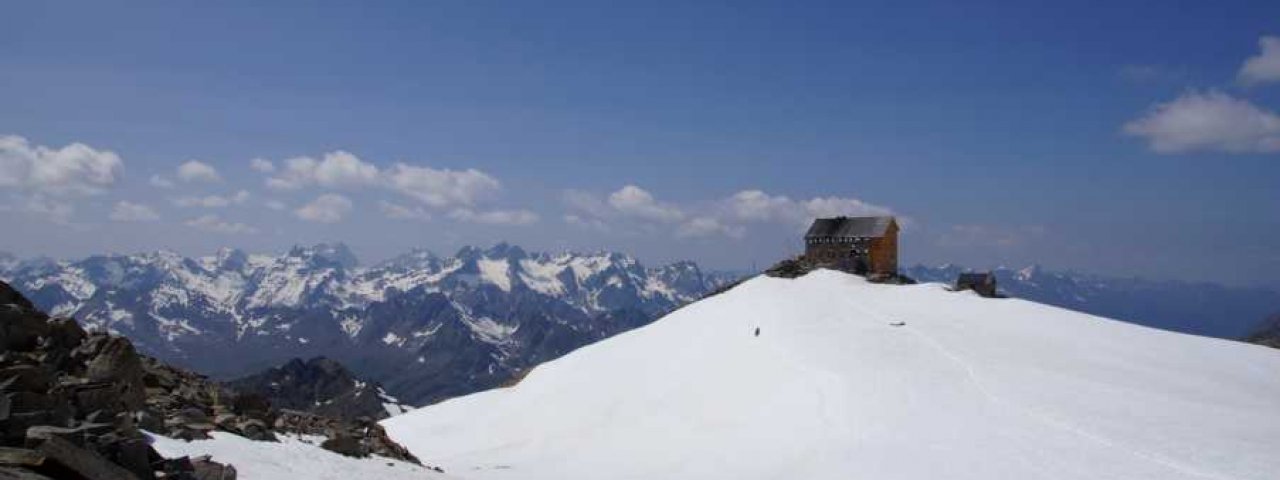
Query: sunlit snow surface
968	388
290	458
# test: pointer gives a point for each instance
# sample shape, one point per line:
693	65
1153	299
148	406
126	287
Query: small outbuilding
983	283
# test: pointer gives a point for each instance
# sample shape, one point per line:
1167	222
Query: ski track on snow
972	375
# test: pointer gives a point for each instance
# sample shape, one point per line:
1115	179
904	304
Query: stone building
860	245
983	283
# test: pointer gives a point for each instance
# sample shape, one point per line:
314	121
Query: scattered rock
71	402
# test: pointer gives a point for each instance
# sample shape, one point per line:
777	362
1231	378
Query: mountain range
426	327
1200	308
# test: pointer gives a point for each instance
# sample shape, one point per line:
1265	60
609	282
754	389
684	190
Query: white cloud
196	171
334	169
215	224
402	212
758	206
584	222
1263	67
1211	121
262	165
635	201
76	169
41	206
327	208
160	181
709	226
213	201
441	188
275	205
495	217
133	212
727	217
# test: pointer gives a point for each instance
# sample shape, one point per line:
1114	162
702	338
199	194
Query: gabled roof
849	227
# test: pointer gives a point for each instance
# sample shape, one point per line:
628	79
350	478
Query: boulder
113	359
207	469
64	459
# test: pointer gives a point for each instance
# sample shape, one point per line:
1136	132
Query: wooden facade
860	245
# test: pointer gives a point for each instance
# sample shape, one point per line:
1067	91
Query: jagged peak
337	253
505	250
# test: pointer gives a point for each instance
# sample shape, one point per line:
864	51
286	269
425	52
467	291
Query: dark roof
849	227
975	278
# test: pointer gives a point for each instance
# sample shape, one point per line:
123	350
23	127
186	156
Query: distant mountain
1198	308
424	326
321	386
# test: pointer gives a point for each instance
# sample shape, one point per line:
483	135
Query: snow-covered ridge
851	380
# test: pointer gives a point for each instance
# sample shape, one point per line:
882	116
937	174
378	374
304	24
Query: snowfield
967	388
292	457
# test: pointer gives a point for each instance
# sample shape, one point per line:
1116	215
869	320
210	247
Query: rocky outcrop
71	403
75	405
799	267
1269	334
321	386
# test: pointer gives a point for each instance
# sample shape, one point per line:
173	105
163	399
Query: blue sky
1134	138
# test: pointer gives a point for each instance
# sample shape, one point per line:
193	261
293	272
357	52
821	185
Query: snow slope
291	457
968	388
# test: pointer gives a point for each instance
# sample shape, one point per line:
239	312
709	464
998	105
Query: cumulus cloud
728	216
709	226
758	206
338	169
442	187
213	201
193	171
327	208
159	181
262	165
1210	121
215	224
495	217
404	212
75	169
133	212
1263	67
635	201
438	189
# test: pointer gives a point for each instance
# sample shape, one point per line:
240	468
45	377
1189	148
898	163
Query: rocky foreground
75	405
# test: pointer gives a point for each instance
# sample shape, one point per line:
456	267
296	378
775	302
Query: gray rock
63	456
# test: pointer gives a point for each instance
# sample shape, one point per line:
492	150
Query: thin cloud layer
215	224
125	211
213	201
327	208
